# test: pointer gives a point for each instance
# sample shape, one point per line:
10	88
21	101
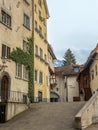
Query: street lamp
2	67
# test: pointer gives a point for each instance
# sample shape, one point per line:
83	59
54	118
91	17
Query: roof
51	51
89	60
67	70
46	8
91	57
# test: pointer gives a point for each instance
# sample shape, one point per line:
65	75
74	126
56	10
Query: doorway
39	96
2	113
4	88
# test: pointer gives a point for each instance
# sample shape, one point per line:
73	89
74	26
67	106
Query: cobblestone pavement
45	116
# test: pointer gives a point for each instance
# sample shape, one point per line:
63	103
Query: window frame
25	72
41	77
25	46
5	51
18	70
6	19
35	75
26	21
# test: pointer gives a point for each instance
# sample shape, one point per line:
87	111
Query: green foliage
69	58
20	56
26	58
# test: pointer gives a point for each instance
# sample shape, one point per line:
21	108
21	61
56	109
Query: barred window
5	18
5	51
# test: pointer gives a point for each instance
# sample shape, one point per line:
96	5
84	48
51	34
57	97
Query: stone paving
92	127
45	116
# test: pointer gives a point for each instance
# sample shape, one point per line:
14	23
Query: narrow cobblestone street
45	116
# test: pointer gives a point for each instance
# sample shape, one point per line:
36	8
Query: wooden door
4	88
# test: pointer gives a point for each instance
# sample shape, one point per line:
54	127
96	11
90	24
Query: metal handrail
13	96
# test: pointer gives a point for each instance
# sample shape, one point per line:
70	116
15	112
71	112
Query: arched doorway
4	97
54	97
4	88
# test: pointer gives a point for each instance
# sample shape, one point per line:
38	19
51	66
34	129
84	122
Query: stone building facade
41	72
67	86
15	27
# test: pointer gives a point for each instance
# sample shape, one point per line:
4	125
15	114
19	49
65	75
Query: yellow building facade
41	72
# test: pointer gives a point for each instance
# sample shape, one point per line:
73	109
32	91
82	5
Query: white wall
61	88
72	88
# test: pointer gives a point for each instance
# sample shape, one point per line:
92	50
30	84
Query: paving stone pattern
45	116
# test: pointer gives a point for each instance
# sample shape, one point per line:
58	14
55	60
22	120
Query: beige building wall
40	41
13	37
94	75
72	88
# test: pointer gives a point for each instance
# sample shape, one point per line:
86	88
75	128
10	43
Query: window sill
25	79
18	77
27	27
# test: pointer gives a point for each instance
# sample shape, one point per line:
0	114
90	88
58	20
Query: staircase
88	114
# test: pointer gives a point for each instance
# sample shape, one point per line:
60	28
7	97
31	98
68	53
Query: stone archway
5	82
54	97
4	88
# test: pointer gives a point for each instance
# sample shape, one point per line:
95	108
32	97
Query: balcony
13	97
53	82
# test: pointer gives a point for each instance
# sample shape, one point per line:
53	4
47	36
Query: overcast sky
73	24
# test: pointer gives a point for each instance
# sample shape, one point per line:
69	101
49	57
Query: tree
69	58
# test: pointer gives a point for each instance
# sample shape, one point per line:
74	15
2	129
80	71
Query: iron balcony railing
13	96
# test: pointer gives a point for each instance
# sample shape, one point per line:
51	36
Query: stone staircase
88	114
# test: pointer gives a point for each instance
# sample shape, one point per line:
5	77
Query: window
18	70
76	69
27	1
47	80
41	77
36	73
57	89
45	35
40	15
36	50
35	24
41	53
25	72
96	69
24	99
5	18
45	57
25	46
26	21
40	31
5	51
92	74
35	8
40	2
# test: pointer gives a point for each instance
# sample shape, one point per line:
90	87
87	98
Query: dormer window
76	69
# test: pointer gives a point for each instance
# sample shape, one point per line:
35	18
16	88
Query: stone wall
14	109
88	114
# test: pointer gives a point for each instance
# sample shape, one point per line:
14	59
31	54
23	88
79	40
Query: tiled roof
67	70
91	56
